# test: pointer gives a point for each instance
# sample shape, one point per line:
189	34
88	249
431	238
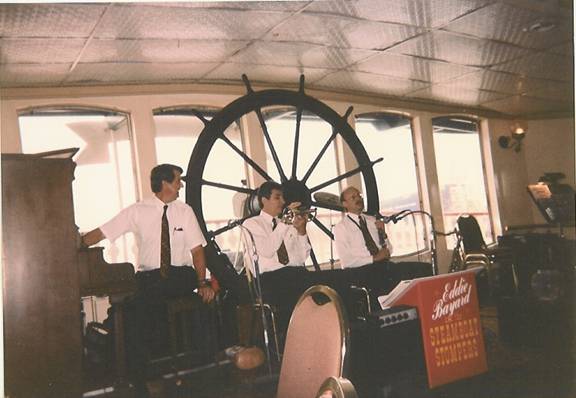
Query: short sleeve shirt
144	219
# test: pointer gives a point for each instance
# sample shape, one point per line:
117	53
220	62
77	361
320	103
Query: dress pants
146	315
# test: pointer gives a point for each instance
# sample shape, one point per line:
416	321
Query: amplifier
386	353
394	315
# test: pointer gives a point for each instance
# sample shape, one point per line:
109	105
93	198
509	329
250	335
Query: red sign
450	323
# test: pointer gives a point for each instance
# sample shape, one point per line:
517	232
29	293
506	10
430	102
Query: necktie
165	245
370	244
281	252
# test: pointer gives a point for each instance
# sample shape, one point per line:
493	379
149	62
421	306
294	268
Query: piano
45	275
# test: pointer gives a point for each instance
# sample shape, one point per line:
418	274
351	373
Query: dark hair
266	189
162	172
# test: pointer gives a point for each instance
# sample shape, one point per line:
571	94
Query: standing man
171	261
364	248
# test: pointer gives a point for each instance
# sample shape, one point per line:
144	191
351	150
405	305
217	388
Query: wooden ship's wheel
296	187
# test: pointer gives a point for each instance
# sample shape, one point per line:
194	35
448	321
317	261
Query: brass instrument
289	214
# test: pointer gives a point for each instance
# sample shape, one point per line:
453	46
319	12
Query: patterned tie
281	252
165	245
370	244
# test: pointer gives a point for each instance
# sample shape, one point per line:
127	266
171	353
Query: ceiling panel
542	65
143	21
454	94
461	52
291	5
264	74
494	22
424	13
299	54
26	75
498	82
369	83
459	49
341	32
409	67
160	50
130	73
47	51
528	106
48	20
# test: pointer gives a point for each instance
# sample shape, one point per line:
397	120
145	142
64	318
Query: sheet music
387	300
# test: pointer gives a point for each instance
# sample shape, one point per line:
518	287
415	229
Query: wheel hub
296	191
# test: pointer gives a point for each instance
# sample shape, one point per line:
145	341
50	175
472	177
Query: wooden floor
515	370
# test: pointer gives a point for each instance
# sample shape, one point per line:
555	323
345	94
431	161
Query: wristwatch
203	282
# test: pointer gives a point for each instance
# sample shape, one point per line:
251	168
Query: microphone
395	217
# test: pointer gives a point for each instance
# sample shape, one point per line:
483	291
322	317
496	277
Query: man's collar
266	215
353	216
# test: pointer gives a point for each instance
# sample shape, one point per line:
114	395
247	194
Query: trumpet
289	214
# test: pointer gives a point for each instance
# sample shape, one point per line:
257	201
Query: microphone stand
258	291
432	240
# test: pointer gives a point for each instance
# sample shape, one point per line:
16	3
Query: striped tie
165	245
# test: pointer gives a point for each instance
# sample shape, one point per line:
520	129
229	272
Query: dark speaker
386	356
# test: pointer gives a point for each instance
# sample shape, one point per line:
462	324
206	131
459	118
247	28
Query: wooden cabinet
42	322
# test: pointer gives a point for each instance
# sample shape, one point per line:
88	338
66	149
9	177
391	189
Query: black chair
477	253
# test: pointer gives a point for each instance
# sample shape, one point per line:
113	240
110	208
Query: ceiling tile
493	22
128	21
408	67
369	83
264	74
528	106
136	72
291	5
47	51
566	49
299	54
455	95
542	65
32	75
341	32
151	50
425	13
459	49
48	20
557	91
498	82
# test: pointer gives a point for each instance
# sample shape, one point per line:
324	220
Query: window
104	177
314	133
177	131
460	172
389	136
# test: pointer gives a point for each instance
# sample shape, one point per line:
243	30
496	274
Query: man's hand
299	223
206	293
381	225
382	255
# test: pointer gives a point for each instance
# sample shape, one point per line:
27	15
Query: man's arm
199	259
93	237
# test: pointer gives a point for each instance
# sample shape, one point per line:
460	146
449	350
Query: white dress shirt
350	244
144	219
268	242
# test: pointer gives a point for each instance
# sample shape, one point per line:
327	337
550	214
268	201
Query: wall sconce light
517	133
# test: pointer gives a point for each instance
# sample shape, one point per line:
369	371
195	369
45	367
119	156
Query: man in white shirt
364	249
282	249
171	261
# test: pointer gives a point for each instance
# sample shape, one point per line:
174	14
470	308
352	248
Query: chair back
337	387
316	343
472	237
